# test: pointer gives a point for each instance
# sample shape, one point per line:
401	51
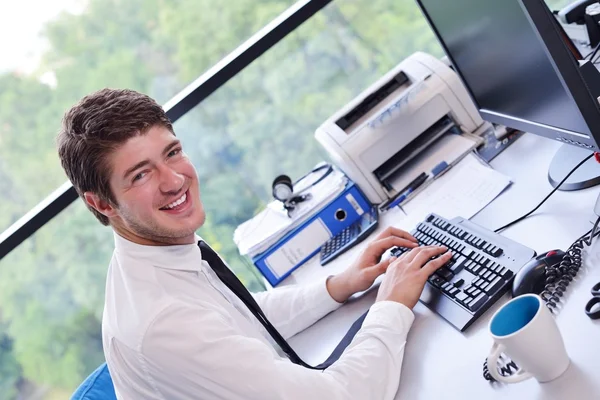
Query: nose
171	181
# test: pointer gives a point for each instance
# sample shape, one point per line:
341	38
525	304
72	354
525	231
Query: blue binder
299	245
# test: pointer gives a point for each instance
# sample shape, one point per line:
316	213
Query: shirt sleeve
189	354
292	309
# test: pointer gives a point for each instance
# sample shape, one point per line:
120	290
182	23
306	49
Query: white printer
401	114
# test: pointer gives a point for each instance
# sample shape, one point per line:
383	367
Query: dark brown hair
96	126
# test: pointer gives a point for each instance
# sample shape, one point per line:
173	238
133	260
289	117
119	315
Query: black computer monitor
514	59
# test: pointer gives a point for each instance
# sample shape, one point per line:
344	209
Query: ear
102	206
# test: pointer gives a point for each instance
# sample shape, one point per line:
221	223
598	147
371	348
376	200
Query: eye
139	176
174	152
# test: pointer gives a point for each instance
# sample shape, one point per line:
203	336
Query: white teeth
176	202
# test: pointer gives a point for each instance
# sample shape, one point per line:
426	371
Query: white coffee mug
525	330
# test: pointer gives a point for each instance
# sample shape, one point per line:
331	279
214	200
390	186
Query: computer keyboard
481	270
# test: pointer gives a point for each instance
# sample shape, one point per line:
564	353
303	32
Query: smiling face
156	191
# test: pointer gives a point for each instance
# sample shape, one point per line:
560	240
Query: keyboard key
449	288
458	264
444	273
506	274
467	252
458	283
494	285
476	303
497	252
476	269
462	296
479	282
436	281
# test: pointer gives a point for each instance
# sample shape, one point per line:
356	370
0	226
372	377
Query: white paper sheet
462	191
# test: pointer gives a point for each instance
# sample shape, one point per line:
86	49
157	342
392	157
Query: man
175	325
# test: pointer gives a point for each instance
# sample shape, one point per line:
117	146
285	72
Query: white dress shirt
172	330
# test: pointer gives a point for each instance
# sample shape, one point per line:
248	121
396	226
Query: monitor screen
504	64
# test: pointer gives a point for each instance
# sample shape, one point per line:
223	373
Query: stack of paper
264	230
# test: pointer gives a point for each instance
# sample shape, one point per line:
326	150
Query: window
64	49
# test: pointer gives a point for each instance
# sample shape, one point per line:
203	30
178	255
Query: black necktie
238	288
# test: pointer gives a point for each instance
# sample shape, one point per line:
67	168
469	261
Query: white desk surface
442	363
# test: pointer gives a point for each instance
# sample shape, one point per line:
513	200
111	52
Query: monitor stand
565	159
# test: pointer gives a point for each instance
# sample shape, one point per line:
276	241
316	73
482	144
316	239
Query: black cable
592	53
547	197
593	233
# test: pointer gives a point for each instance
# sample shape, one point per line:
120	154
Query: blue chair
97	386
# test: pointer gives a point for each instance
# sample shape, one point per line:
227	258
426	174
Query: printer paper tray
389	168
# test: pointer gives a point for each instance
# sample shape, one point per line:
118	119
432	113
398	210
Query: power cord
547	197
558	279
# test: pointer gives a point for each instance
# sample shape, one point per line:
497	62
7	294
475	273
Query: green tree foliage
10	371
258	125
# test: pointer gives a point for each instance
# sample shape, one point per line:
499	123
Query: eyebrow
145	162
170	146
136	167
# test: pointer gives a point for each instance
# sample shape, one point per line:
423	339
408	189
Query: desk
442	363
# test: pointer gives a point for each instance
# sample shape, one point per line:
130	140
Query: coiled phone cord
506	370
558	279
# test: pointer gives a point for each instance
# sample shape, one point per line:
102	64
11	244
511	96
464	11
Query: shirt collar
185	257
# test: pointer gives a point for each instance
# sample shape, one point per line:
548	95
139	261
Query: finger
393	231
404	255
381	245
425	255
380	268
410	256
434	265
414	252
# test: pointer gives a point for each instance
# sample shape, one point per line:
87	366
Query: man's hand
361	275
406	276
